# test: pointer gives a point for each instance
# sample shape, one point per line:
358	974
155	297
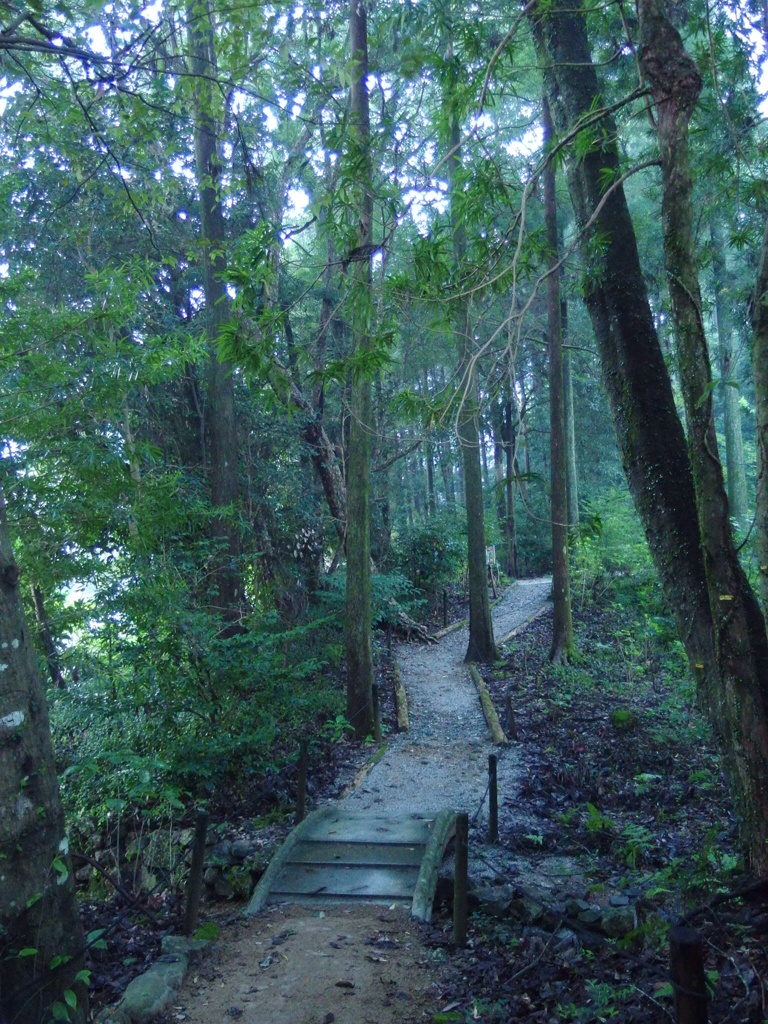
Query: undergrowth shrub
432	554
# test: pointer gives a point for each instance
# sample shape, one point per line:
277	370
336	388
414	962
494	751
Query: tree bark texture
357	615
704	587
510	526
760	372
38	907
481	646
741	644
46	638
562	623
220	421
648	430
734	442
572	475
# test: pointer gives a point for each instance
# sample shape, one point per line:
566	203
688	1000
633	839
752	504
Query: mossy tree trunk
760	371
38	906
562	623
481	646
686	525
357	614
220	420
729	385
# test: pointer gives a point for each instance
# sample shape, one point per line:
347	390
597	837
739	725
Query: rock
525	909
147	996
211	875
624	721
619	901
619	921
244	849
175	945
112	1015
591	916
223	887
221	853
575	907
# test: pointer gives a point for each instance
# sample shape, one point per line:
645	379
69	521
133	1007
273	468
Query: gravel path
443	760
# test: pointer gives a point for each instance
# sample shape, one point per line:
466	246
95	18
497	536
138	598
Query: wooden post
445	608
195	883
493	800
686	967
461	880
301	783
376	714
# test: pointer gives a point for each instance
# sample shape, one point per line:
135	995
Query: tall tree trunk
499	489
482	646
46	638
510	527
760	372
734	443
357	615
572	473
220	405
741	644
649	432
562	624
38	907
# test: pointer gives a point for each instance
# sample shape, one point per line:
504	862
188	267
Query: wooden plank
345	880
314	852
343	828
424	893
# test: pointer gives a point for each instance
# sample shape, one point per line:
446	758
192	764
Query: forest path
366	964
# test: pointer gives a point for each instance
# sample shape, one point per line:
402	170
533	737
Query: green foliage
431	554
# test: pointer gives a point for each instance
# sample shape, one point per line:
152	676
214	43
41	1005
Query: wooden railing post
493	799
301	782
461	880
195	883
686	967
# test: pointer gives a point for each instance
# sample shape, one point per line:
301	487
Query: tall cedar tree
220	423
649	432
562	623
357	615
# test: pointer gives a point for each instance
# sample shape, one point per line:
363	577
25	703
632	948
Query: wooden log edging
492	719
401	699
424	894
524	625
261	892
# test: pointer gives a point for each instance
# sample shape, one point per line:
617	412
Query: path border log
491	718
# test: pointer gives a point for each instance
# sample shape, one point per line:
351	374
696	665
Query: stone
619	921
244	849
210	876
223	887
221	853
619	901
575	907
176	945
590	916
149	995
525	909
112	1015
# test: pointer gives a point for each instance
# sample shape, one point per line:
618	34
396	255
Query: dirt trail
354	965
